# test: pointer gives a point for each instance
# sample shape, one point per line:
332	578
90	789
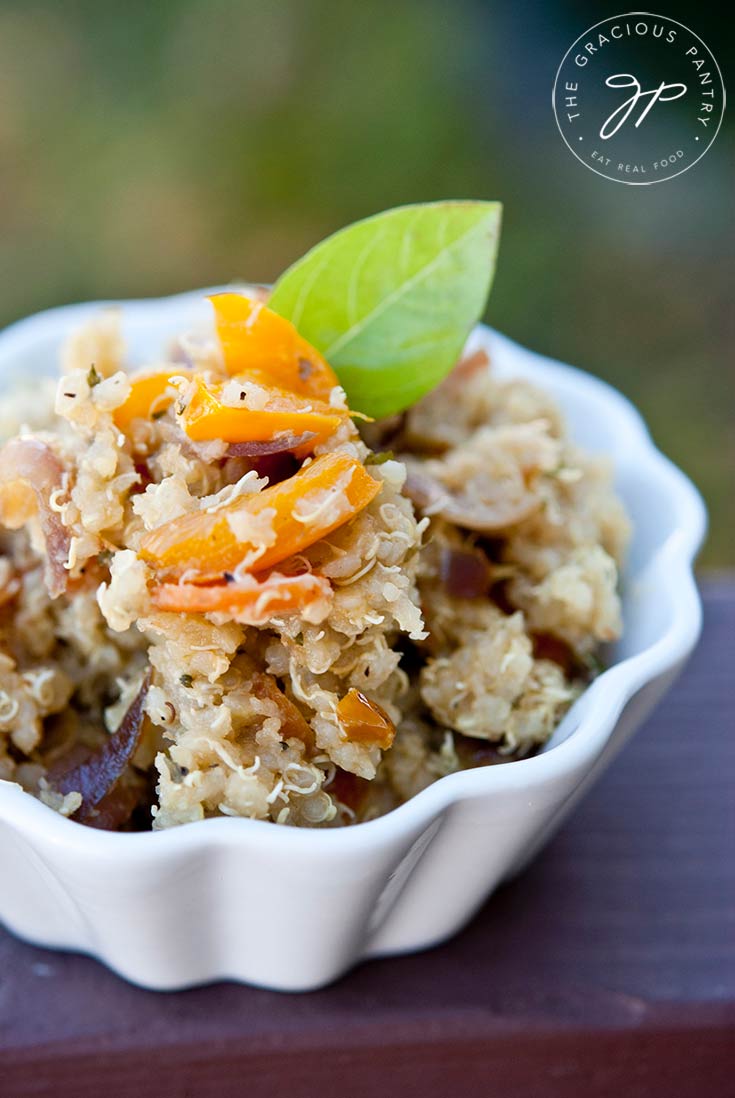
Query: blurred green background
148	147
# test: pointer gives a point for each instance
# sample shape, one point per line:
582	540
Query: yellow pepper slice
259	531
257	341
271	413
150	394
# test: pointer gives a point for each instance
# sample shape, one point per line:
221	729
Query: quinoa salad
226	590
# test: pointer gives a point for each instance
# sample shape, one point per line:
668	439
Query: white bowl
293	909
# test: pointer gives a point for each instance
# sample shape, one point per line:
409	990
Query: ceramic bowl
293	909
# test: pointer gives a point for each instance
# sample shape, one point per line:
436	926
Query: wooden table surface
607	969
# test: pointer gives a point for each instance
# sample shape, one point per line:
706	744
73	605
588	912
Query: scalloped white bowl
293	909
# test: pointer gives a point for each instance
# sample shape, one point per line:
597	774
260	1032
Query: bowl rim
604	699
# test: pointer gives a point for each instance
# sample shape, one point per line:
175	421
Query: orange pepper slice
259	531
250	601
255	340
206	417
150	394
363	720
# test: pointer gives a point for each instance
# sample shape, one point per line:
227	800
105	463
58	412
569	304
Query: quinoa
461	609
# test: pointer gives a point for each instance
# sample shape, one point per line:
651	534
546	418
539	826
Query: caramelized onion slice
363	721
105	803
349	790
476	363
484	515
293	723
473	752
30	472
546	646
465	573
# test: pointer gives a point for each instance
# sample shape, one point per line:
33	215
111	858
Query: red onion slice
104	804
282	444
465	573
32	463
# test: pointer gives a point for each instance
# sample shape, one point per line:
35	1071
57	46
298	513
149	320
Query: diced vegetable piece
255	340
257	532
248	600
279	413
105	803
349	790
293	723
363	721
10	588
274	447
30	475
465	573
472	752
489	515
276	467
151	394
548	647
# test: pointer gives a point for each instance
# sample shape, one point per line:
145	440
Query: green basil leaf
390	301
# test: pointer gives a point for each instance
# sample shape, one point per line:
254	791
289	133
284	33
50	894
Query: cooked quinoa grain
323	622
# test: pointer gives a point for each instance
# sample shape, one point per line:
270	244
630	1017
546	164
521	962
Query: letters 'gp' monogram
657	95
